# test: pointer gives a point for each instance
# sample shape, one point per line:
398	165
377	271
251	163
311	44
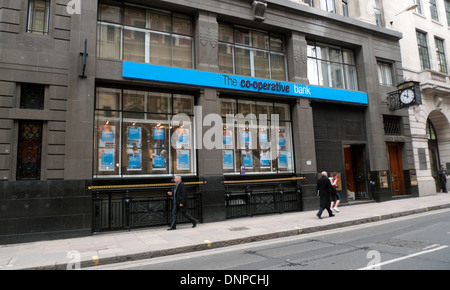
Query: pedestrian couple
179	196
329	197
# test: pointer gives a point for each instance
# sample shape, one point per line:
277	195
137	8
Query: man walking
443	176
323	188
179	196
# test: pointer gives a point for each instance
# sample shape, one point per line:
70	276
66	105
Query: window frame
232	45
119	115
424	53
31	14
440	54
126	30
254	147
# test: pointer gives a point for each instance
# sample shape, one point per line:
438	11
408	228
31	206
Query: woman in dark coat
323	188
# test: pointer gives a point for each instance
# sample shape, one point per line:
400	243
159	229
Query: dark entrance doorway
396	168
355	172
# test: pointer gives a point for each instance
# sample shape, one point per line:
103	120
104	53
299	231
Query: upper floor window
447	11
423	50
144	35
440	51
385	74
252	53
38	16
345	7
378	13
32	96
419	7
328	5
434	10
331	66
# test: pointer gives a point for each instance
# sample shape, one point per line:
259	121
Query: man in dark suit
323	188
443	176
179	196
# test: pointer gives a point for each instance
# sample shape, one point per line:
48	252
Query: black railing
249	198
119	208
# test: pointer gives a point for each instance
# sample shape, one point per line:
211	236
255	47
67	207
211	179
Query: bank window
144	35
38	16
257	137
385	74
331	66
248	52
143	133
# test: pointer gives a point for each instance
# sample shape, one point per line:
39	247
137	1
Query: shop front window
143	133
257	137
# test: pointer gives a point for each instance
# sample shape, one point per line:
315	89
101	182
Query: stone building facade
100	95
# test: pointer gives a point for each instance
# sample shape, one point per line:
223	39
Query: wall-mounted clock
407	96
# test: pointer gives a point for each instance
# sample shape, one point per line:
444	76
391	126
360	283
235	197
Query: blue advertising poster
228	159
183	160
282	160
106	160
134	161
248	162
158	134
265	161
134	133
158	161
143	71
107	136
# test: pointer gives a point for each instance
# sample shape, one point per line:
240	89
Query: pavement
137	244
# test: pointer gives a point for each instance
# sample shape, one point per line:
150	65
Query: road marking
402	258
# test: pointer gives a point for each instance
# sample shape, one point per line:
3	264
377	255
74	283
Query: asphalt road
418	242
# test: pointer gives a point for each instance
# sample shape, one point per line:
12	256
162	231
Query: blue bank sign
165	74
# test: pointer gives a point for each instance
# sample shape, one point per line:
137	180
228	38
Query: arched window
433	150
431	132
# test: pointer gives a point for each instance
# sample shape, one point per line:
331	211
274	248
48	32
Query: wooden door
396	167
349	169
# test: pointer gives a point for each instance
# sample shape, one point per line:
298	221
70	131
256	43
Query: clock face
407	96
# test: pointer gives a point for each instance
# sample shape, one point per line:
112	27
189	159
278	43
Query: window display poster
107	136
226	140
182	139
134	158
158	162
282	159
264	159
228	159
106	160
245	140
281	141
247	159
263	138
158	134
134	137
183	160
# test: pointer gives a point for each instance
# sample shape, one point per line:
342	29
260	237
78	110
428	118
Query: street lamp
410	8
